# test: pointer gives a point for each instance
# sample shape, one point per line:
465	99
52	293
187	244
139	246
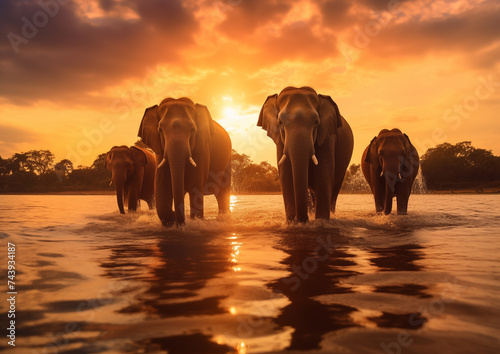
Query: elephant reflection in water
133	173
177	271
321	274
314	144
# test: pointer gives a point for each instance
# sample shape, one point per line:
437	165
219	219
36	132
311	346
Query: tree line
35	172
444	167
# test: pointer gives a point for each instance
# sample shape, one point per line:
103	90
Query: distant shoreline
458	191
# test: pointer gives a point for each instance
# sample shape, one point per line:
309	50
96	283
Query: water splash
419	185
356	183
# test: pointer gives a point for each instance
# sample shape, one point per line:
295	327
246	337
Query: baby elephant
390	165
133	173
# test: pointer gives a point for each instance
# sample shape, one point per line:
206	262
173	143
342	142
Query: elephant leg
322	191
196	203
151	204
134	189
379	195
286	181
126	196
164	196
402	197
223	194
335	194
402	202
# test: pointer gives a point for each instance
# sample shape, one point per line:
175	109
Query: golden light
230	113
235	251
233	311
241	348
232	202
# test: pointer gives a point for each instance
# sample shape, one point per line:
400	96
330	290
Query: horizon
77	76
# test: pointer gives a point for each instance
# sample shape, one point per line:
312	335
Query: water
90	280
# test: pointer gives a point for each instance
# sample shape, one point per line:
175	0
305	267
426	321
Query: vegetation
35	172
250	177
444	167
460	166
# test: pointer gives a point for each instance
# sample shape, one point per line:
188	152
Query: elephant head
391	157
174	129
124	162
299	121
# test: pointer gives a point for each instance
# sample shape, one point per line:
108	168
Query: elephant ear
369	154
329	118
140	158
203	119
148	131
107	160
409	149
268	118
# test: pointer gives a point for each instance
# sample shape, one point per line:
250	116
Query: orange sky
76	76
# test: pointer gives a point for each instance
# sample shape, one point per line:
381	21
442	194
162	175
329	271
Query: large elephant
193	155
314	145
133	174
390	164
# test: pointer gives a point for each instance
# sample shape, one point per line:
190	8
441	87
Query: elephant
193	155
314	145
133	174
390	165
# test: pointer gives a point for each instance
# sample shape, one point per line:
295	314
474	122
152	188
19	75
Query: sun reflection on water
233	200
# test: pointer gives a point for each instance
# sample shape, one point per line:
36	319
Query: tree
38	161
459	166
63	168
250	177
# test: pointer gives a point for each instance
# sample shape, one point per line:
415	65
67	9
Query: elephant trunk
300	157
392	176
119	182
389	194
177	161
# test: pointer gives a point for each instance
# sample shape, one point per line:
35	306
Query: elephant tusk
315	160
111	182
381	173
162	162
192	161
399	176
283	158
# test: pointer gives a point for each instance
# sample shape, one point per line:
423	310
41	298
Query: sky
77	75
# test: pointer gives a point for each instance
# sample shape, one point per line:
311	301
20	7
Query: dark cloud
297	41
468	33
73	55
243	20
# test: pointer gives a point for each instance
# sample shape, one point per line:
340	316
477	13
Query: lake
90	280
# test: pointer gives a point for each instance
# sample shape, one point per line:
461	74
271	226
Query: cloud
75	52
405	35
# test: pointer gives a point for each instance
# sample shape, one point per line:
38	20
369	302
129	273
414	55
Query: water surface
91	280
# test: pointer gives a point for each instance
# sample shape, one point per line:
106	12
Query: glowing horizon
77	80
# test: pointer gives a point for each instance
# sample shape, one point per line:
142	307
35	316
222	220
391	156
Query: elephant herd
314	144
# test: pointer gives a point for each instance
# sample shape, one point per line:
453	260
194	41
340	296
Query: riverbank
457	191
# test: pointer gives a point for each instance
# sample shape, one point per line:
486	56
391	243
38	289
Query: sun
229	113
